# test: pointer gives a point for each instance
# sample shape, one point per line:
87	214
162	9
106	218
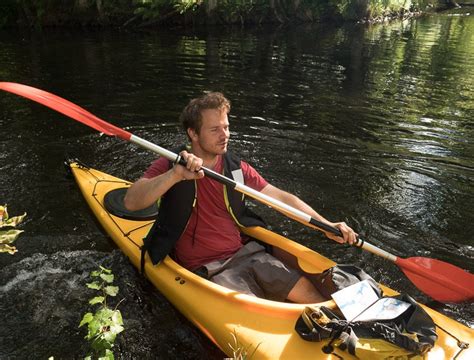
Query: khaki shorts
253	271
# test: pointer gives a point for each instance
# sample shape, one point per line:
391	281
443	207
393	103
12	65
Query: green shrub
105	324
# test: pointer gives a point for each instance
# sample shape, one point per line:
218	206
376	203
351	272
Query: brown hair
191	117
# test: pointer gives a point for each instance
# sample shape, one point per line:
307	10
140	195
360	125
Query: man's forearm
145	192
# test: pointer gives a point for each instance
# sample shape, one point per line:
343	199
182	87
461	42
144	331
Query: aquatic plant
105	324
8	233
239	351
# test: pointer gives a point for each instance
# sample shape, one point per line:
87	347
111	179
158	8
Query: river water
370	125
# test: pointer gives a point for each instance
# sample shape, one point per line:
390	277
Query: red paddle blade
441	281
65	107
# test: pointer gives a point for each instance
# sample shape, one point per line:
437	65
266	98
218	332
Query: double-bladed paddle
441	281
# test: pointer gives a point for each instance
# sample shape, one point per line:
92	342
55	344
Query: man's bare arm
349	235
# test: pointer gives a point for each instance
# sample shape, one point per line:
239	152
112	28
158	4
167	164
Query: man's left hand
348	235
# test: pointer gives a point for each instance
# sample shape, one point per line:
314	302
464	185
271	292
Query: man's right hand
192	170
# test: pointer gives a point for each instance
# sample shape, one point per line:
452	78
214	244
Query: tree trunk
274	5
27	14
296	5
81	5
101	12
452	4
211	5
100	8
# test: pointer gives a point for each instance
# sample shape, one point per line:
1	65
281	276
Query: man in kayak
199	218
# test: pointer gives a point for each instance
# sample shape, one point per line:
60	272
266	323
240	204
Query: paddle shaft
265	199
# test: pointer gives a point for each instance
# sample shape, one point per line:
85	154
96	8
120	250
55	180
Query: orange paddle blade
441	281
65	107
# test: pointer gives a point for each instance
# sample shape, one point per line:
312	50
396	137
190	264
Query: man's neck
209	160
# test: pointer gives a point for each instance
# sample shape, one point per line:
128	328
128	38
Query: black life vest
177	205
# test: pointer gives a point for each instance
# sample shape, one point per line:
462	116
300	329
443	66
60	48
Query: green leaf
87	318
93	328
107	278
95	273
13	221
94	285
3	214
116	329
117	318
105	315
99	344
96	300
7	248
9	236
109	355
110	336
107	271
111	290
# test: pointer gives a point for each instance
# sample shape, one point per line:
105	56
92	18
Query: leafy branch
105	324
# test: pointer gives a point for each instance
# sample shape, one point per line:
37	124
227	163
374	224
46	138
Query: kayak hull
262	328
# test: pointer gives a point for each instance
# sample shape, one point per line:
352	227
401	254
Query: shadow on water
370	125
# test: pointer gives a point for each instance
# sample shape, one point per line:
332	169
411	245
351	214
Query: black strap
142	260
308	324
317	324
146	246
349	341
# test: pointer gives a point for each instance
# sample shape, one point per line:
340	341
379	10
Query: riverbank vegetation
153	13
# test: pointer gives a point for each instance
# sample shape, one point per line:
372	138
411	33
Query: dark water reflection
374	126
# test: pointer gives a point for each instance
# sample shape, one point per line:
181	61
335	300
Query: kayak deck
264	328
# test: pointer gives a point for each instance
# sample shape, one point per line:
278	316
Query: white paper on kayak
360	300
384	309
354	299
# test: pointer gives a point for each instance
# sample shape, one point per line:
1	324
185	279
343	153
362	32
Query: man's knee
305	292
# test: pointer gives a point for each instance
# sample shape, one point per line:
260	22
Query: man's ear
192	134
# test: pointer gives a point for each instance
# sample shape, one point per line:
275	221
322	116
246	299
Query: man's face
214	134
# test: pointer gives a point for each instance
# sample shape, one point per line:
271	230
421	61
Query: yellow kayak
263	328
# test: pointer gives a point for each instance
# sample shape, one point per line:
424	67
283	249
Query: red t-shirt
211	233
